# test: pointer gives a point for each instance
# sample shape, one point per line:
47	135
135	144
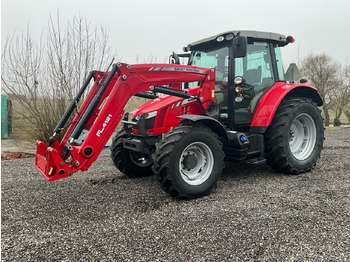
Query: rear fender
269	103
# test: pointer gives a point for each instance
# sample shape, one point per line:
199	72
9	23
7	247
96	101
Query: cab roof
280	40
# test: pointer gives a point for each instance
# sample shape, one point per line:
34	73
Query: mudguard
208	121
269	103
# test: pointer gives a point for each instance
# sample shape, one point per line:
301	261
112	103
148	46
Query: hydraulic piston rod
72	105
90	110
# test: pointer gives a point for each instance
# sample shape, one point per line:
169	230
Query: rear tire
188	161
294	139
130	163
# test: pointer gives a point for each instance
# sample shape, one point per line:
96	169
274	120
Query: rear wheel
294	139
131	163
188	161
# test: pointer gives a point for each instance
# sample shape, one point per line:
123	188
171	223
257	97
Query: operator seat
253	76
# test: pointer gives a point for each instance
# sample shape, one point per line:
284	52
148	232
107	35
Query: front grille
161	117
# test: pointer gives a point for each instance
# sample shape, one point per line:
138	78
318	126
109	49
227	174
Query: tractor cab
247	64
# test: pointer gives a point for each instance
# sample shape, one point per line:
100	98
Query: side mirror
174	59
239	46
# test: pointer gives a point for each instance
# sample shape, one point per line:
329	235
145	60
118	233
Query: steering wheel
247	91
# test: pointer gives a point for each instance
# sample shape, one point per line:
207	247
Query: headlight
220	39
229	37
151	114
238	80
149	119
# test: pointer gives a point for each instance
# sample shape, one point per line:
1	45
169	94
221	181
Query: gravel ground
255	214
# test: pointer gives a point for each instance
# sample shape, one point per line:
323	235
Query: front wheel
294	139
131	163
188	161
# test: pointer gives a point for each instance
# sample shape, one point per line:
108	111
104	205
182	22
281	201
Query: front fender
269	103
208	121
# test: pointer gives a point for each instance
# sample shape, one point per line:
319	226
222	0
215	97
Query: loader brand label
99	132
181	69
192	70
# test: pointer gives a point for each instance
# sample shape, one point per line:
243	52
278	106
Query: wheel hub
196	163
190	161
302	136
140	159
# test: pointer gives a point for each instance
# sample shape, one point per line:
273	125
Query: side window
279	64
256	67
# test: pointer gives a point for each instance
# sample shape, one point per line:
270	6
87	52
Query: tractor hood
164	101
156	104
163	112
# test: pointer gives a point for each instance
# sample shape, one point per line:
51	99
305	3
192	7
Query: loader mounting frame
103	109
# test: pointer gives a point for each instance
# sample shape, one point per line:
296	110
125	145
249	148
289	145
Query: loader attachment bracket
49	162
140	123
128	124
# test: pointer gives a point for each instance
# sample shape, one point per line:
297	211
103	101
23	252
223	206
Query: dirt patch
15	155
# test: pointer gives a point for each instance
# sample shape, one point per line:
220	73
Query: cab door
256	68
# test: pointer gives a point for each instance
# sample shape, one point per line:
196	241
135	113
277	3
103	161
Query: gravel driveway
255	214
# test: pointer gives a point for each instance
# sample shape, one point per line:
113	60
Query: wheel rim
196	163
302	136
139	159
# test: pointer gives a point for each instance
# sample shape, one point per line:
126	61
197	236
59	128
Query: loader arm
103	108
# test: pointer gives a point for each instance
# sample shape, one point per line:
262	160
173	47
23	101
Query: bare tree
322	72
340	95
347	114
346	87
44	75
151	59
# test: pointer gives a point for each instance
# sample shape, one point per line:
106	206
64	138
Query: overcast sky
157	27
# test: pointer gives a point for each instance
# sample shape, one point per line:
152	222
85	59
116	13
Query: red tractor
231	102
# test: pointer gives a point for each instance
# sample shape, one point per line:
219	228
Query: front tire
294	139
130	163
188	161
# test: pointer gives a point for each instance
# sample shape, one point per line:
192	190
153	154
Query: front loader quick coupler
50	164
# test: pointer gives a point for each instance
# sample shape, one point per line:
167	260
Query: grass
21	129
333	127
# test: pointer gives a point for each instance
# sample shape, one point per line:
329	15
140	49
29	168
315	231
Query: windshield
217	59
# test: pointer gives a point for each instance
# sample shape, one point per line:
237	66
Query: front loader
229	103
